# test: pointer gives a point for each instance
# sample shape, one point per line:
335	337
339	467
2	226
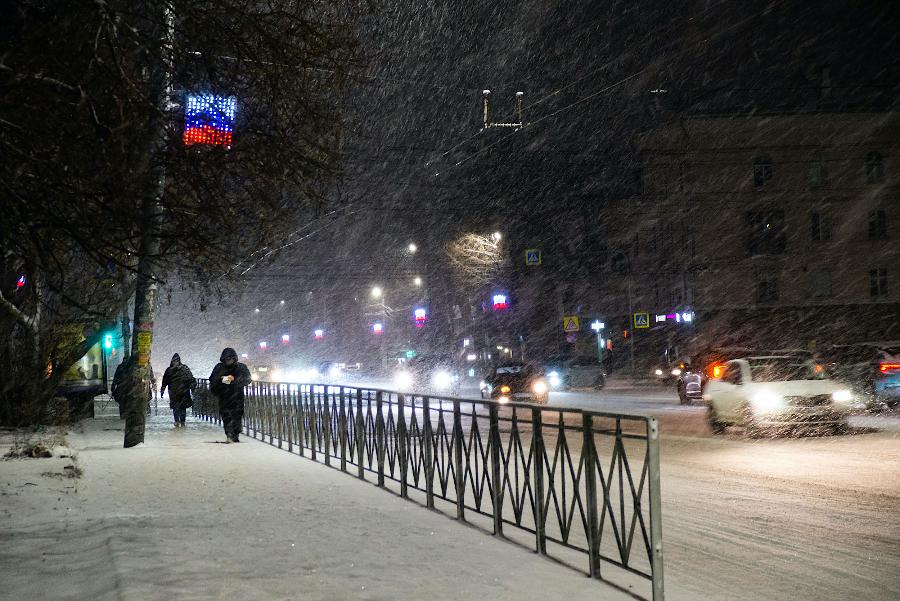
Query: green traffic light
107	342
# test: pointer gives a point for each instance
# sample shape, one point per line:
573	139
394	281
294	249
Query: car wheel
712	418
748	421
682	395
600	383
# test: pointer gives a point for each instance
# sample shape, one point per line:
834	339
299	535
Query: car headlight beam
842	396
539	387
767	402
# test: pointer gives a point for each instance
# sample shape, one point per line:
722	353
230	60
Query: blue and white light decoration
209	119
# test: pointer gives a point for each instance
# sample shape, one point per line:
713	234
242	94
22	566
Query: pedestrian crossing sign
571	323
641	320
533	256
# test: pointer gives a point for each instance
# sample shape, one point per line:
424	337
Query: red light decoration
319	334
209	120
421	316
20	283
378	329
889	367
500	302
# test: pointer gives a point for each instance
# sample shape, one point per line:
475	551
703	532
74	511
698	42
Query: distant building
776	231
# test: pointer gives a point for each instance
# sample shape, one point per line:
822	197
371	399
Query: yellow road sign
571	323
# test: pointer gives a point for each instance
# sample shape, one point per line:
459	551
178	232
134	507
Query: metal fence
575	483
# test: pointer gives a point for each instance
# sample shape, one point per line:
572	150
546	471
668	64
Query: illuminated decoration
466	342
410	354
209	119
263	345
471	357
244	355
500	302
378	329
597	325
285	338
420	315
20	283
107	341
319	334
683	317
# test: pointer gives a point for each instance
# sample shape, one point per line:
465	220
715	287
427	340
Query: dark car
870	369
515	381
575	372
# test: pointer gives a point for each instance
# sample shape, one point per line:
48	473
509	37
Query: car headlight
484	385
403	379
676	372
842	396
442	380
503	400
505	389
658	372
334	371
539	387
767	402
554	379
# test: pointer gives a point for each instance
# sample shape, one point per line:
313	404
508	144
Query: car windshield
781	370
510	369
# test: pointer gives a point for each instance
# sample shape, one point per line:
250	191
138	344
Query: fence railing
575	483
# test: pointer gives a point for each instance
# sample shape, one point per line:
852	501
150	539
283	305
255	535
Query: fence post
590	483
270	418
428	452
379	437
496	482
360	436
313	413
656	551
301	432
343	431
288	417
458	462
537	449
326	424
279	414
401	443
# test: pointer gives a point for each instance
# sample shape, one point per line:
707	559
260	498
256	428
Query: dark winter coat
181	384
231	396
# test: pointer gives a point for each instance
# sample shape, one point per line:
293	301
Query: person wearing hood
181	383
227	383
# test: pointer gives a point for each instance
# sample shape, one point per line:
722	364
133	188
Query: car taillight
887	368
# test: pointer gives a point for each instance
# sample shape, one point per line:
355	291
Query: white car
774	392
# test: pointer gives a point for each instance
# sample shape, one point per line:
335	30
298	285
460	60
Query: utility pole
160	24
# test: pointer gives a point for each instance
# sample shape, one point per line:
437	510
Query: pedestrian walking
227	383
181	384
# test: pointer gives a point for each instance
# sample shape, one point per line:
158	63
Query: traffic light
107	341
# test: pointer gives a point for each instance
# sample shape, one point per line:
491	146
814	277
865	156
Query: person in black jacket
227	383
181	383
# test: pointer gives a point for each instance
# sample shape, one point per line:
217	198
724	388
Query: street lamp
417	281
377	292
256	310
496	236
412	247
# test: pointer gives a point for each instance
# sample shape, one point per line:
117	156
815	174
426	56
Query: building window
821	282
816	171
766	289
878	285
767	235
819	226
874	168
762	170
877	225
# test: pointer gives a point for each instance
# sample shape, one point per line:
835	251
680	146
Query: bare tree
91	125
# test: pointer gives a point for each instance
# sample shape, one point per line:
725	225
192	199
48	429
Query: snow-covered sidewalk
186	517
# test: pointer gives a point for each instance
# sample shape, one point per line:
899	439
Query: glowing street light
282	302
377	292
256	310
319	334
412	247
417	281
496	236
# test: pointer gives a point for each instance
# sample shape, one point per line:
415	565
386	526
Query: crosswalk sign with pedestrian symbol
571	324
533	256
641	320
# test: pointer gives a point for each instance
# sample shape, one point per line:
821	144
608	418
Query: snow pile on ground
186	517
